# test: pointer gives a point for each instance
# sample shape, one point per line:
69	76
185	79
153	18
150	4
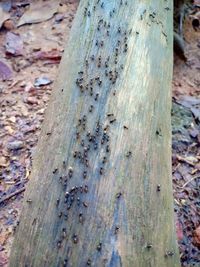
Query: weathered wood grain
111	204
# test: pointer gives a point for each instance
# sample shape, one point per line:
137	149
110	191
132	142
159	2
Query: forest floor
32	42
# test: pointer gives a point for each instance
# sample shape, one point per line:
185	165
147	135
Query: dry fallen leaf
9	25
3	259
192	159
6	5
196	236
197	2
41	81
3	162
14	44
38	12
3	16
5	71
12	119
179	230
53	55
23	109
9	129
15	145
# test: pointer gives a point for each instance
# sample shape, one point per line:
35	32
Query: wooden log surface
100	192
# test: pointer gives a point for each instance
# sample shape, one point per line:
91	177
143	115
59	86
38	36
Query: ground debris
39	11
14	44
3	16
5	71
196	237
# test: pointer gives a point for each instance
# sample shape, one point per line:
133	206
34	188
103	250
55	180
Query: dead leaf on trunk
38	12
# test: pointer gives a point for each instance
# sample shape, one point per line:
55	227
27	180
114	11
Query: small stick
193	178
12	195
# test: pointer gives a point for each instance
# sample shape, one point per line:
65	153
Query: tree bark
100	192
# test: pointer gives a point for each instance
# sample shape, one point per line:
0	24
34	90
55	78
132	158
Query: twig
193	178
12	195
185	160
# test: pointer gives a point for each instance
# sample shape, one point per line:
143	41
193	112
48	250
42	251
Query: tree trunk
100	192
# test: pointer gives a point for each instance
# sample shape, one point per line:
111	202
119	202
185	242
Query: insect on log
101	186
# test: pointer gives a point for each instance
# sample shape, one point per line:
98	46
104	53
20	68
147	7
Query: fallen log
100	192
